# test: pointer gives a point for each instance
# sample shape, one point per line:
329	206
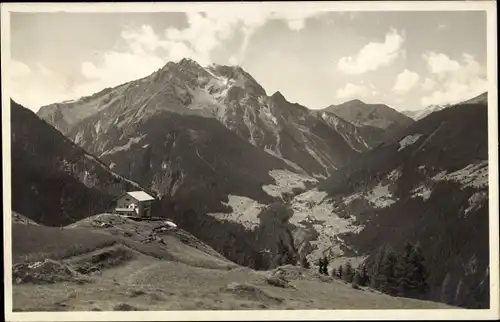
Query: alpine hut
134	203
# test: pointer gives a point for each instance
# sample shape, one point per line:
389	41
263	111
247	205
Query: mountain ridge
421	113
397	190
52	170
227	93
369	114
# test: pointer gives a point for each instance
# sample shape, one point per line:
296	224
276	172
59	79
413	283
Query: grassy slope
147	284
182	281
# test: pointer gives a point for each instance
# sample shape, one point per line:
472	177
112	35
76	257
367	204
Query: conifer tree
348	272
320	266
376	277
390	282
383	271
447	290
403	269
418	273
357	278
459	293
325	265
365	279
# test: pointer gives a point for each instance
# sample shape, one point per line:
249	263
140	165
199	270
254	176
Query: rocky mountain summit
299	136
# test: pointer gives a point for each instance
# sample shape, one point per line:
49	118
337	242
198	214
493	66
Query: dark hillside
55	182
440	199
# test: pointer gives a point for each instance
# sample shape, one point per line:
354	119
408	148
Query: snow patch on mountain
277	153
201	98
219	85
266	115
351	137
320	176
349	199
317	157
98	127
245	211
394	175
78	137
124	147
420	114
422	191
408	140
475	201
250	125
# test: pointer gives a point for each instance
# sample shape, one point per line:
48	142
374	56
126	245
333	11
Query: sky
407	60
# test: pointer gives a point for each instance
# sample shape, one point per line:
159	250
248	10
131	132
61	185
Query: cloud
36	86
428	84
352	90
145	50
440	64
296	20
405	81
19	70
373	55
457	81
233	60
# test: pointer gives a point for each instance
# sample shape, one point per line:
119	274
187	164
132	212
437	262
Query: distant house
134	203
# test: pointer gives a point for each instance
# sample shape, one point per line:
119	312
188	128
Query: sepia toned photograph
196	158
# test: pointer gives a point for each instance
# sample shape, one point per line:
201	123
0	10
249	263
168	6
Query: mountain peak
188	63
354	101
278	95
185	60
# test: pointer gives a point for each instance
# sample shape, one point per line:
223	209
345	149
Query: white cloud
147	50
440	64
405	81
429	84
352	90
373	55
18	70
233	60
459	81
37	86
296	20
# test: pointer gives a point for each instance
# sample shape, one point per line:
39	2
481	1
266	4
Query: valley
257	185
